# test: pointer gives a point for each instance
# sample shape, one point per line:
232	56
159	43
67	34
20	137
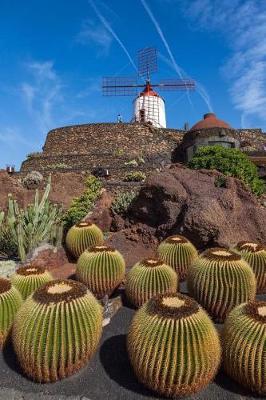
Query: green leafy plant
80	206
136	176
231	162
27	228
122	202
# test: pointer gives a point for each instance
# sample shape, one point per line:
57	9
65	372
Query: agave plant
22	230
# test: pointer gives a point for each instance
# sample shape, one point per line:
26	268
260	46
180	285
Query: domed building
209	131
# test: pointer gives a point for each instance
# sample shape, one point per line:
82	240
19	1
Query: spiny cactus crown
83	224
101	249
176	239
221	254
5	285
151	262
30	270
250	247
174	306
256	310
61	290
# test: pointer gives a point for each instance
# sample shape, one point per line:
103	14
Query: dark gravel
107	376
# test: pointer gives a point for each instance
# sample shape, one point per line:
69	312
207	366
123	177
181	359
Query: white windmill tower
148	106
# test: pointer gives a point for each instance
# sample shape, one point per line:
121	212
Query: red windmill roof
210	121
148	91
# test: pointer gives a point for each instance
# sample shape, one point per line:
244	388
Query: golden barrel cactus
255	255
29	278
244	345
173	345
220	280
81	236
57	330
179	253
148	278
101	269
10	302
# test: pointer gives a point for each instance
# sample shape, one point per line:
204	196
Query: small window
142	115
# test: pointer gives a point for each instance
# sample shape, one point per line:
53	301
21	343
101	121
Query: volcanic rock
193	203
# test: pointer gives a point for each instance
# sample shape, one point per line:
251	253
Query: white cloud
42	93
93	33
243	24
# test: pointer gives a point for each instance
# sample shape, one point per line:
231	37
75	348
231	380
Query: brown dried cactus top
101	249
151	262
83	224
30	270
173	306
176	239
5	285
256	310
221	254
60	290
250	246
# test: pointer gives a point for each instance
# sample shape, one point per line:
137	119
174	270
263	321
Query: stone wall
116	147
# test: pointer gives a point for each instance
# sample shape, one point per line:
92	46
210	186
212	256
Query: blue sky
53	54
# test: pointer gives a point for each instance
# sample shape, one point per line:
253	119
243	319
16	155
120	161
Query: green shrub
122	202
137	176
231	162
80	206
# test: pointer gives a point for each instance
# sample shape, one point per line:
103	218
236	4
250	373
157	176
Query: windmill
148	105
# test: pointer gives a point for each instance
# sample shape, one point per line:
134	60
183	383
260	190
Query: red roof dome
210	121
148	91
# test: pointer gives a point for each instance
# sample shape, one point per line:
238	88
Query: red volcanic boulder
201	206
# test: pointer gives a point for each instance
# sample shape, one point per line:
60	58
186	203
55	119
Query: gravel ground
107	376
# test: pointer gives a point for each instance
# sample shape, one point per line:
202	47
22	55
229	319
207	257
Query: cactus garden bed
107	376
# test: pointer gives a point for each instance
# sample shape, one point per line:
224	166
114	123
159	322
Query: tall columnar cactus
220	280
148	278
82	236
29	278
179	253
57	330
255	255
173	345
244	345
10	301
101	269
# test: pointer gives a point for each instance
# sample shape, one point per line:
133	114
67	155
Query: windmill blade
147	61
119	86
176	84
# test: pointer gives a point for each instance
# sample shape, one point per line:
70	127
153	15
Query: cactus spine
244	345
10	301
148	278
82	236
173	345
57	330
29	278
101	269
220	280
255	255
179	253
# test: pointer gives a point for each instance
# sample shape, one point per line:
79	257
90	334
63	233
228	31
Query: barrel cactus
57	330
244	345
148	278
81	236
29	278
219	280
101	269
10	301
173	345
255	255
179	253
